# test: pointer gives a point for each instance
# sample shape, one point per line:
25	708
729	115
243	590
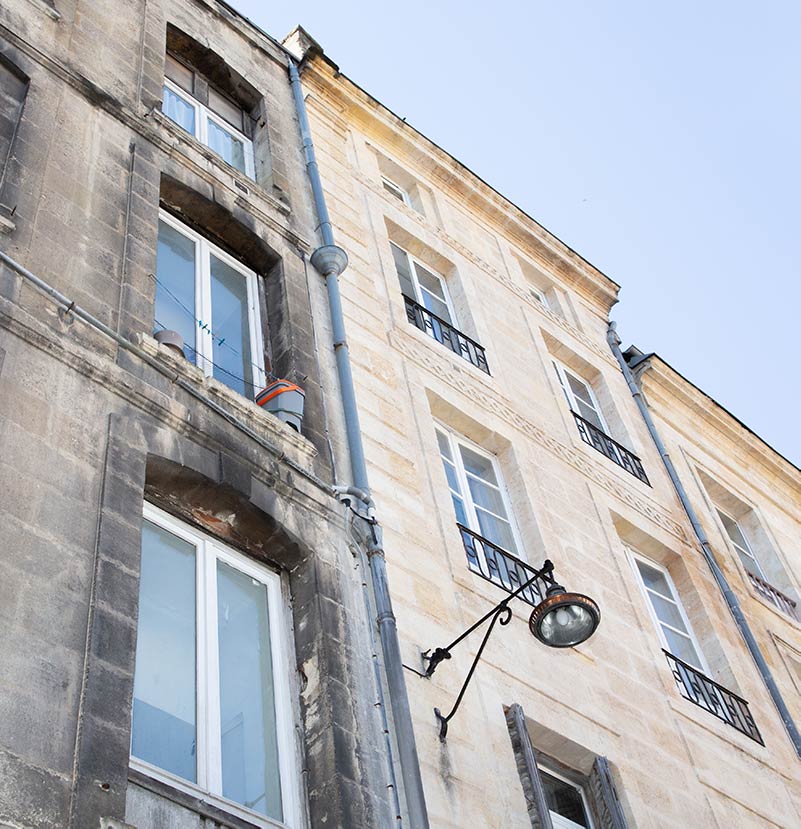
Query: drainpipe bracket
329	260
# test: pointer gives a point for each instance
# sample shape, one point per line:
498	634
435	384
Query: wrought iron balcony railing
593	436
776	597
443	332
714	698
501	568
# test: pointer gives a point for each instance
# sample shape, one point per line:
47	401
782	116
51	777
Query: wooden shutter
606	806
527	768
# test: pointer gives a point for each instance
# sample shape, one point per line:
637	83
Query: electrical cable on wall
221	341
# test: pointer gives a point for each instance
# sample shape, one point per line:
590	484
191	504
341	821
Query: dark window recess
13	89
559	796
593	436
498	566
443	332
714	698
186	78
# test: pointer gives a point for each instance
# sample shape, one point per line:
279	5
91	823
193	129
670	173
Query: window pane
682	647
433	294
579	388
175	288
588	413
450	473
404	274
436	306
433	284
654	579
478	465
178	110
229	322
250	771
563	799
486	496
164	683
178	73
496	530
444	448
667	612
226	145
391	188
734	532
458	507
226	109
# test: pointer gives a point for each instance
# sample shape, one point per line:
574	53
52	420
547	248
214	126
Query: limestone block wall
674	764
89	431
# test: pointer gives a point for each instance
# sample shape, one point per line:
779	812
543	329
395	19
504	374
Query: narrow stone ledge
297	447
6	225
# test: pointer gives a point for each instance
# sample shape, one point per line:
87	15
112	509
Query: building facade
197	630
500	431
184	638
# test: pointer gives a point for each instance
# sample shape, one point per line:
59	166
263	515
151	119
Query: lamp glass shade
563	620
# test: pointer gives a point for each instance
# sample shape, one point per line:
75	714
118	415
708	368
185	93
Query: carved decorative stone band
491	401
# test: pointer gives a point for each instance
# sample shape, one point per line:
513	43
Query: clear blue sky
660	141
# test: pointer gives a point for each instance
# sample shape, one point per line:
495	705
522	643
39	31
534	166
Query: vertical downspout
706	549
331	261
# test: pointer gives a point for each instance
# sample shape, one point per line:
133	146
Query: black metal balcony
716	699
593	436
501	568
443	332
774	595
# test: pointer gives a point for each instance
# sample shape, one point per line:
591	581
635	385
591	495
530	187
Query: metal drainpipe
331	261
700	534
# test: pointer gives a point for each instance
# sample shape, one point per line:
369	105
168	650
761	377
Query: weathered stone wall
88	431
674	764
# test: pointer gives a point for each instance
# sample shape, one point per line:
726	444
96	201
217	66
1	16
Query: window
211	697
580	397
539	296
567	803
216	121
396	190
211	299
741	545
668	614
13	91
424	286
477	490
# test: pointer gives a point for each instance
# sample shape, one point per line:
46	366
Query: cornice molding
500	276
458	182
664	388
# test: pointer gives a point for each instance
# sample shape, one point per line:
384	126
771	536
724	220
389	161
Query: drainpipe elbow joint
329	260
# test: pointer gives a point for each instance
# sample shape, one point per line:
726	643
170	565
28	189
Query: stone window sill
299	448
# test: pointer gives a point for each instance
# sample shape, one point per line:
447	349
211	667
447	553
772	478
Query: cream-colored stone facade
528	299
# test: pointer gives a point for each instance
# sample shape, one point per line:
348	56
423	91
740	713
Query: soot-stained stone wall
88	431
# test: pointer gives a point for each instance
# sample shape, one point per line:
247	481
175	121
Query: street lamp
560	620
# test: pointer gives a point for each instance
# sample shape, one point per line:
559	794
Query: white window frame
209	773
204	345
540	297
202	112
418	297
454	439
401	191
558	821
634	557
562	371
747	551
